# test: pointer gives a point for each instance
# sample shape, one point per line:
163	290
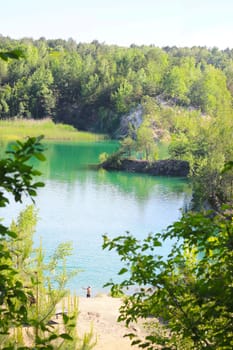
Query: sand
101	312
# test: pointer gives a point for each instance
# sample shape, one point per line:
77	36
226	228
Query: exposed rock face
167	167
131	122
134	119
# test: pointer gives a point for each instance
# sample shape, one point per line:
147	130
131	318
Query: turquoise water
80	204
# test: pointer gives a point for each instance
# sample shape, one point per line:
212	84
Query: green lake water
80	204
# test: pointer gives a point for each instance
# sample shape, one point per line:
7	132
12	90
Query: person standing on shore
88	292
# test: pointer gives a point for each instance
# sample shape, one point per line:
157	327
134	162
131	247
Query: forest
91	85
185	95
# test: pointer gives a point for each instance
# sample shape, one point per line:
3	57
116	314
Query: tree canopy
185	298
92	85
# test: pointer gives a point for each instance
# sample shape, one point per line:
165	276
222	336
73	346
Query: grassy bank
18	129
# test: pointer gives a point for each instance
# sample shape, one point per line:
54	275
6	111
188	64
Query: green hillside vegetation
92	85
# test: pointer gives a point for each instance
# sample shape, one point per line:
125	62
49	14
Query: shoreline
100	313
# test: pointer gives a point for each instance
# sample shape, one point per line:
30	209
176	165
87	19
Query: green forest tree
185	300
145	142
207	144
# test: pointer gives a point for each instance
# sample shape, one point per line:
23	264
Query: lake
80	204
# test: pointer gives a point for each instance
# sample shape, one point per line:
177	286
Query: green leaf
4	267
65	318
228	166
13	54
66	336
32	192
40	156
11	234
53	337
39	184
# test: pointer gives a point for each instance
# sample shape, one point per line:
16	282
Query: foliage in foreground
23	299
187	299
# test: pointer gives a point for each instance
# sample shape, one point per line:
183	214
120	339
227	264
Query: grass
11	130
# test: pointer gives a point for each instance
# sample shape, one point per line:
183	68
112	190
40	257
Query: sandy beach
101	312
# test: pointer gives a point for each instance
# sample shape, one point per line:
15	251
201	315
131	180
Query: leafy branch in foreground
186	299
16	174
15	178
28	296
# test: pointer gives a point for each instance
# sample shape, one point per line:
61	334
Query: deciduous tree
186	297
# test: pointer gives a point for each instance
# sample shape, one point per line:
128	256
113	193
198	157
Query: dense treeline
92	85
